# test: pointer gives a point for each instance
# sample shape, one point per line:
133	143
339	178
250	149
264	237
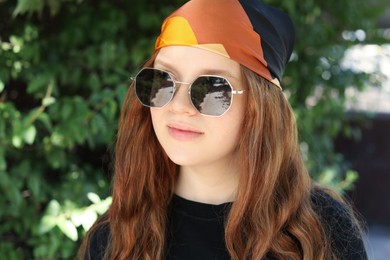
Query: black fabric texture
196	230
98	243
276	31
344	233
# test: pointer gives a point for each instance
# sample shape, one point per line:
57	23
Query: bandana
255	35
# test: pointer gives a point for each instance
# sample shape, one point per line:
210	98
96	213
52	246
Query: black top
196	230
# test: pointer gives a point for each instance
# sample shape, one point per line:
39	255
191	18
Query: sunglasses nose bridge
178	84
188	90
179	101
182	83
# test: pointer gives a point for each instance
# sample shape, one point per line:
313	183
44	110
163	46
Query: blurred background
65	66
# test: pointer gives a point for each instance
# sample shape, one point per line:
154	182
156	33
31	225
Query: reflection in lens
154	88
211	95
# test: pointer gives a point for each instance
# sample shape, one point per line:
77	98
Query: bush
64	71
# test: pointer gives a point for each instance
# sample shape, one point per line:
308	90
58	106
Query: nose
181	103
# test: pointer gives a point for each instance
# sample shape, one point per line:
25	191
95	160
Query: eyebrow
208	71
164	65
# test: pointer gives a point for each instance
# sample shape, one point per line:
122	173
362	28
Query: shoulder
98	240
328	207
340	224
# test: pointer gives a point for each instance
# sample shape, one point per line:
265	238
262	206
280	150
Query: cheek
236	118
156	118
228	131
234	125
159	126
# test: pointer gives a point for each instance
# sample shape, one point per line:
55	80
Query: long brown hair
272	213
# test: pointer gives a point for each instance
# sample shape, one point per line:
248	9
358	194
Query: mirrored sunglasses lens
154	88
211	95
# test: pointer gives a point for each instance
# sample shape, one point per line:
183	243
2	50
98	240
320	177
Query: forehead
191	60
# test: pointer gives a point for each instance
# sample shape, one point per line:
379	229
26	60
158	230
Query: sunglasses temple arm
238	91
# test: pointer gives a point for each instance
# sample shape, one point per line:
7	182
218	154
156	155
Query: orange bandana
253	34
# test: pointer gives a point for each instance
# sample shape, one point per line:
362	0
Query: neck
208	184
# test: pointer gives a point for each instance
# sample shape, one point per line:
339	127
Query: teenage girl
207	162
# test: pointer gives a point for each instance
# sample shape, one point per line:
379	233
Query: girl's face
188	137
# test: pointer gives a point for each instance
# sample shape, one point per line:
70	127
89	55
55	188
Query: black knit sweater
196	230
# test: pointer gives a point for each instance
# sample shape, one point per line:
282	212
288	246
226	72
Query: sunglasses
211	95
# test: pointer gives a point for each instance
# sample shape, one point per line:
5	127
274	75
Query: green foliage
64	71
316	81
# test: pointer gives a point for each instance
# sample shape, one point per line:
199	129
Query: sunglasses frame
176	82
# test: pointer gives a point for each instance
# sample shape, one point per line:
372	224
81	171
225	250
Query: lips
182	132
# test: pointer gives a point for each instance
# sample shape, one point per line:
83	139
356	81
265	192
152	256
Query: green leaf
29	134
85	217
13	194
77	217
28	6
17	141
3	162
88	218
5	181
47	101
68	228
34	184
109	110
66	111
121	93
94	81
53	209
38	84
93	197
2	86
47	224
98	123
45	119
103	206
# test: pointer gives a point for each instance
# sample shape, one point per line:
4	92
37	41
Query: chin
181	161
